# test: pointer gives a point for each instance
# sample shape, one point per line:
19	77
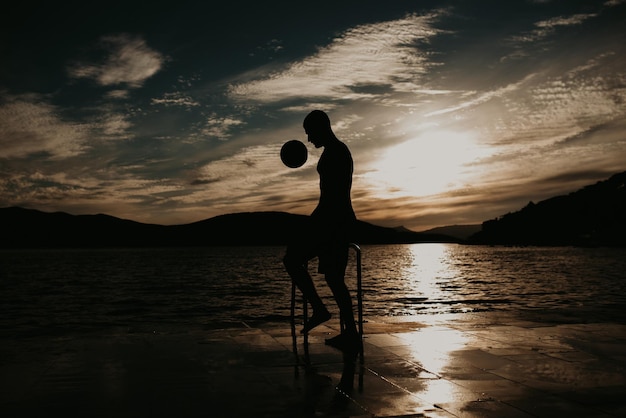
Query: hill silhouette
462	232
592	216
28	228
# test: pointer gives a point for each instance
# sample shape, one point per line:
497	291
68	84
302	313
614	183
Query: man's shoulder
338	147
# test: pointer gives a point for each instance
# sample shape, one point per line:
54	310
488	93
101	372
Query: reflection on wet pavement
411	369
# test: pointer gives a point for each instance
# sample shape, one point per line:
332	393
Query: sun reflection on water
436	295
431	346
428	267
427	276
429	271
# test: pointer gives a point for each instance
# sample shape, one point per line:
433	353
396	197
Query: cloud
576	19
30	125
555	108
246	168
117	94
114	125
271	48
220	126
364	58
95	189
252	179
483	97
129	60
37	187
175	99
544	28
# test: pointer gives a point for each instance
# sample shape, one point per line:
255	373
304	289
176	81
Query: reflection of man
326	234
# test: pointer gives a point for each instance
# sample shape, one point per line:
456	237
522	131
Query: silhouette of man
326	234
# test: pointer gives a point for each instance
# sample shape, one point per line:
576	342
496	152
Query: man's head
317	127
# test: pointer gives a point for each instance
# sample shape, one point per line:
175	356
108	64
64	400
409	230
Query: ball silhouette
293	153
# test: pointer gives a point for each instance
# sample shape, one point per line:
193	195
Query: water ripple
46	290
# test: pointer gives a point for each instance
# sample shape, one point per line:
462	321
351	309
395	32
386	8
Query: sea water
69	291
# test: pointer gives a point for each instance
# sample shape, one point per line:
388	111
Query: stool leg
294	341
359	287
305	313
359	291
359	296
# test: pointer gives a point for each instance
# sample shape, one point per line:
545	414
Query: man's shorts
330	246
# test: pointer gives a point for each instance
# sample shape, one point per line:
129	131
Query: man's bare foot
315	320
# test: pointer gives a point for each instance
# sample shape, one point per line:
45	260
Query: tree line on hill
592	216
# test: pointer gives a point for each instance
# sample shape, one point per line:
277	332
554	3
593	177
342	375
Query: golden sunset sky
455	111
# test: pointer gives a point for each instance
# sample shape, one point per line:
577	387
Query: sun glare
432	347
428	164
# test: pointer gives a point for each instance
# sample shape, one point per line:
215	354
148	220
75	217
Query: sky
455	112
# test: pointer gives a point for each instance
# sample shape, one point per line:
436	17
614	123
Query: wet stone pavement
410	369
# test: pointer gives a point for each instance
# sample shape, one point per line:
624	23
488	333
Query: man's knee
292	263
335	282
287	262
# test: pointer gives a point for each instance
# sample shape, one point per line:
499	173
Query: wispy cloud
114	126
129	60
381	56
37	187
175	99
544	28
79	189
476	98
556	107
220	127
29	125
117	94
564	20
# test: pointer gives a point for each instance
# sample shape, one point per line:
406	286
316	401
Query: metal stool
359	296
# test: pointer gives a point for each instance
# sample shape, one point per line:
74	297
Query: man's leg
348	340
295	263
336	262
342	296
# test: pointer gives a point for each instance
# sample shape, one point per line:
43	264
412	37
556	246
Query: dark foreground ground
448	368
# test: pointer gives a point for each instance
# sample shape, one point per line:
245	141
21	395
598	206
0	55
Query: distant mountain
27	228
592	216
462	232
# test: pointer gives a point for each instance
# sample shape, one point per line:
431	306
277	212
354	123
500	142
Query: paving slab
410	368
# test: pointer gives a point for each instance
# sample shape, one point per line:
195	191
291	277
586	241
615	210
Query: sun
427	164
